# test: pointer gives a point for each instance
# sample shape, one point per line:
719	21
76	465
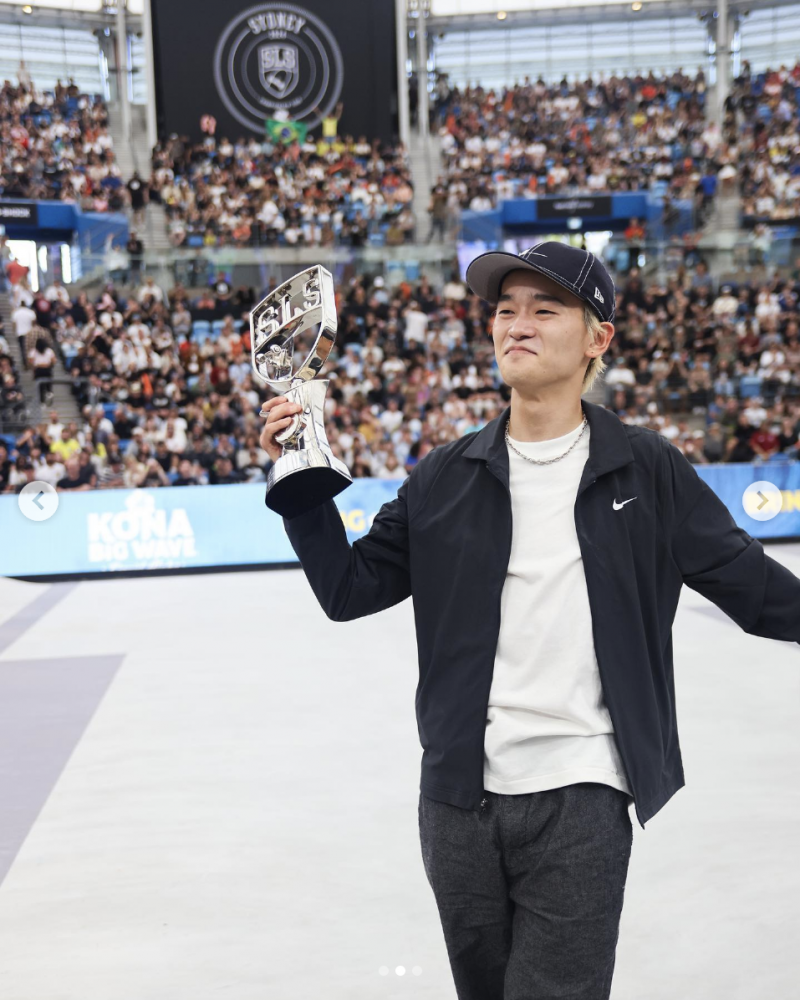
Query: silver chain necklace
537	461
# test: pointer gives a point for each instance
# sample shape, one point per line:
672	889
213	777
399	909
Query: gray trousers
530	890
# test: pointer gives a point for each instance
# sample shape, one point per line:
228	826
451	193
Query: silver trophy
299	313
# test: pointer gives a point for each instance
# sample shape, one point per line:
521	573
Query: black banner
19	212
573	206
244	63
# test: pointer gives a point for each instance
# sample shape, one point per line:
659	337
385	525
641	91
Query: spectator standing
23	318
634	234
135	249
42	359
438	212
416	330
138	191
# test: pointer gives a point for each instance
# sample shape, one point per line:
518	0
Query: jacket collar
609	447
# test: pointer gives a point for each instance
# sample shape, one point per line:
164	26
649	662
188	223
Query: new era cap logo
598	295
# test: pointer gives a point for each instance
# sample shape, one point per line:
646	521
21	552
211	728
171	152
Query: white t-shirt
416	326
42	359
547	723
49	473
23	320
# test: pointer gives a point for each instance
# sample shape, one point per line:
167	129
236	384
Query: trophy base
290	495
307	473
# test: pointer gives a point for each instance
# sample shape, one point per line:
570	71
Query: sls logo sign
278	60
141	536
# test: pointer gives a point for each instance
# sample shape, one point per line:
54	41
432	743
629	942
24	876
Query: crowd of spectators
413	367
268	192
762	119
596	136
12	399
55	145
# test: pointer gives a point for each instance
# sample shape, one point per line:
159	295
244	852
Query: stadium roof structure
450	15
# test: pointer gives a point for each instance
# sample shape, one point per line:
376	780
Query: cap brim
486	273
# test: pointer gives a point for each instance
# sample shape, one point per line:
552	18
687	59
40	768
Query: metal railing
746	256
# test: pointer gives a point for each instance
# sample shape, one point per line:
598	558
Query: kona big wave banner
184	527
245	64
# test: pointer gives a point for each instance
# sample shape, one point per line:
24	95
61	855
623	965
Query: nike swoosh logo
619	506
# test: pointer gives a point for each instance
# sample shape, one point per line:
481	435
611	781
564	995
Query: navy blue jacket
445	541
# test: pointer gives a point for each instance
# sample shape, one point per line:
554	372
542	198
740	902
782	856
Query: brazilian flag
286	132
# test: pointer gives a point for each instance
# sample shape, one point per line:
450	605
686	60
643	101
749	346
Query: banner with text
182	527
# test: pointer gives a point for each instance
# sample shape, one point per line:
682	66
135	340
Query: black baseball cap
579	271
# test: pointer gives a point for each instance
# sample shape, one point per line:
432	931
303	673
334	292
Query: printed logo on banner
278	57
140	537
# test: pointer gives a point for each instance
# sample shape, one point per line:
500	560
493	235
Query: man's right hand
279	412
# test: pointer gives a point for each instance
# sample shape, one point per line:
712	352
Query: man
56	292
437	209
48	468
134	248
138	191
76	479
67	445
24	319
545	554
149	293
55	426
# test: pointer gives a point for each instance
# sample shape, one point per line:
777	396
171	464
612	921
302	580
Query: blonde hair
596	366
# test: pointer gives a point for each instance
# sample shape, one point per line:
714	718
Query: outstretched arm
721	561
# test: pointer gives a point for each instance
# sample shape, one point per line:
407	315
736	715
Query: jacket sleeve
354	581
721	561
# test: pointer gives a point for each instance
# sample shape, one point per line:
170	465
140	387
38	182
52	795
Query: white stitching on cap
591	259
580	273
531	249
556	277
561	279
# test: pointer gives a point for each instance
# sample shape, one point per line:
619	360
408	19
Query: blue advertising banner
184	527
100	531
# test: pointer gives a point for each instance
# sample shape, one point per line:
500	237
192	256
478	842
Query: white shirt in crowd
390	420
23	319
42	359
152	291
416	325
57	293
621	375
49	473
547	721
398	472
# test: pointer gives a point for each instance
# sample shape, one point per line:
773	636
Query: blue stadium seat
109	409
201	328
9	439
216	328
123	444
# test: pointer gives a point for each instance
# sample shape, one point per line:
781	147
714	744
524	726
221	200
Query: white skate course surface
207	789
